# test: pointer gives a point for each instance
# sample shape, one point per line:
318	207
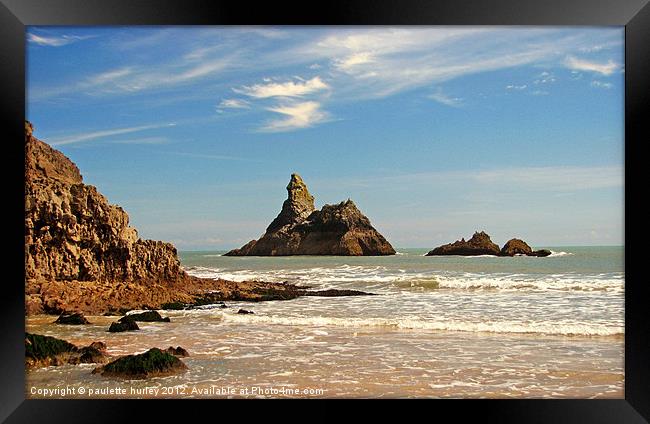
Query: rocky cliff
300	229
72	233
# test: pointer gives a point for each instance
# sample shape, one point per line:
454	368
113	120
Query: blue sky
433	131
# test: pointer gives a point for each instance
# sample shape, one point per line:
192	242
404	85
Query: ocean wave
556	254
548	328
379	277
561	282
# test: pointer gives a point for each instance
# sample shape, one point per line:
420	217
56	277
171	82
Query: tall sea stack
300	229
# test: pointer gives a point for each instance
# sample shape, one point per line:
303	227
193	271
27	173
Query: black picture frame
633	14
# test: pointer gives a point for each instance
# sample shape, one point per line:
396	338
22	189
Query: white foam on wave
557	254
549	328
382	277
556	282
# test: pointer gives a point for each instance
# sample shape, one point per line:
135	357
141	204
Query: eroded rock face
73	233
479	244
300	229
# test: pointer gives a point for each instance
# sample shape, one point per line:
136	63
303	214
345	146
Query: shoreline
229	357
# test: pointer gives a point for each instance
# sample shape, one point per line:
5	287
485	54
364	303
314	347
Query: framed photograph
428	201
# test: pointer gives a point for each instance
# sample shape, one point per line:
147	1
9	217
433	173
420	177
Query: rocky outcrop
123	324
300	229
72	319
177	351
44	351
152	363
519	247
72	233
479	244
147	316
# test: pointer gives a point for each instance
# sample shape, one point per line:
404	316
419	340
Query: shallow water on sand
439	327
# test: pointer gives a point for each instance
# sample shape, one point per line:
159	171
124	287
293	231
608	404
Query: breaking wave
382	278
549	328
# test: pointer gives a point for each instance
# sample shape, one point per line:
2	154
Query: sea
436	327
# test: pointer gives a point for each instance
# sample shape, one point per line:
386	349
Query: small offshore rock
41	351
72	319
173	306
519	247
123	325
177	351
148	316
152	363
479	244
244	312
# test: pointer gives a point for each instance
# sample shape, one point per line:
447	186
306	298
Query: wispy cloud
600	84
516	87
554	178
211	156
55	41
545	78
286	89
135	79
234	104
608	68
143	140
446	100
79	138
599	47
298	115
379	62
349	62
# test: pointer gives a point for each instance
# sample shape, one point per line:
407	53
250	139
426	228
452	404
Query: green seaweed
153	361
42	347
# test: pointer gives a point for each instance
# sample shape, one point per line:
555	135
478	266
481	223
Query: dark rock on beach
301	229
148	316
173	306
152	363
177	351
245	312
72	319
123	325
479	244
93	354
43	351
